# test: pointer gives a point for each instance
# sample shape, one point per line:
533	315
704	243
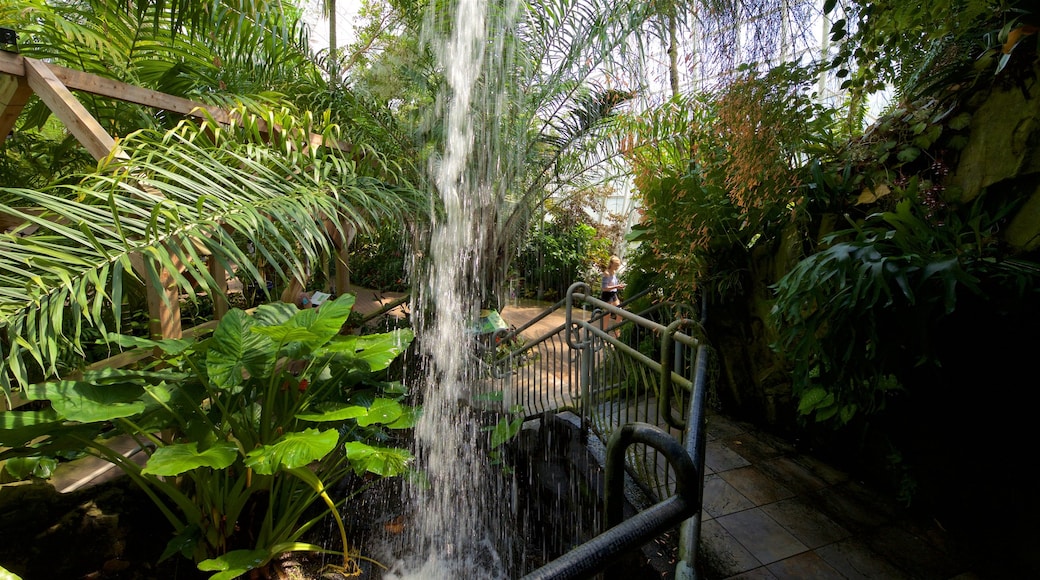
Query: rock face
999	157
1003	154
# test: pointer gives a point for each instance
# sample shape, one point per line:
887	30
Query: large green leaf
382	411
505	430
292	450
312	326
89	402
235	352
408	419
19	427
385	461
24	467
334	412
376	350
8	575
168	345
234	564
182	457
19	419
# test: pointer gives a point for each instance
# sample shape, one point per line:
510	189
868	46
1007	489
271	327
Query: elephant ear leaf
234	564
382	411
331	316
334	412
384	461
293	450
235	352
311	327
90	402
183	457
377	351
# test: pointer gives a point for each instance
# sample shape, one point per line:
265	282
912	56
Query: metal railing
616	368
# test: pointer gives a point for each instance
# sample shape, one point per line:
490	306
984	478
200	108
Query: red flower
303	385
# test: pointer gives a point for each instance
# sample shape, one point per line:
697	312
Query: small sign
318	298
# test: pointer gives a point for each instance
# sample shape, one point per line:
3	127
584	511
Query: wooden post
164	314
343	256
14	94
220	301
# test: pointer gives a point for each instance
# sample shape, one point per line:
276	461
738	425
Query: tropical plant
925	48
542	114
857	315
568	245
217	53
177	197
719	175
380	259
246	429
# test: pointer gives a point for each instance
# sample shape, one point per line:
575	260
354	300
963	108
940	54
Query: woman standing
610	286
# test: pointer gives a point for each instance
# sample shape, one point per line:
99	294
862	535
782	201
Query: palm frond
177	199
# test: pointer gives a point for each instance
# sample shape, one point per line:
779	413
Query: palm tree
183	188
542	114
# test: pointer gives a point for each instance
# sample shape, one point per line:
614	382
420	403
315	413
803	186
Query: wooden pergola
21	77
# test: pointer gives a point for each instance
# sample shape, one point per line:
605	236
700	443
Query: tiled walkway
772	512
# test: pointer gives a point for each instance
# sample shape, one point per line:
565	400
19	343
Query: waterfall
453	531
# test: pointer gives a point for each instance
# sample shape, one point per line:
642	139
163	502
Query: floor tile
767	540
828	473
762	573
848	510
803	566
793	475
722	427
751	447
755	485
718	457
720	498
912	553
810	526
721	555
856	561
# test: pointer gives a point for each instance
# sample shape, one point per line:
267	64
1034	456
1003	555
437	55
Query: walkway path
772	512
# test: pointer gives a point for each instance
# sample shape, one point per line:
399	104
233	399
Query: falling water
451	534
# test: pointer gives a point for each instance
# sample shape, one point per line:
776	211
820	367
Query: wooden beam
66	107
14	64
14	94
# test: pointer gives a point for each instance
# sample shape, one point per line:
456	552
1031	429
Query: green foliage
249	427
34	159
921	47
211	181
502	432
568	246
719	174
380	260
855	316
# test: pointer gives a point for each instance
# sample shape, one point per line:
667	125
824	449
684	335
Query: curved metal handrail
621	536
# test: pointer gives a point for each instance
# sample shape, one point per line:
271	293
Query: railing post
581	342
690	529
665	398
